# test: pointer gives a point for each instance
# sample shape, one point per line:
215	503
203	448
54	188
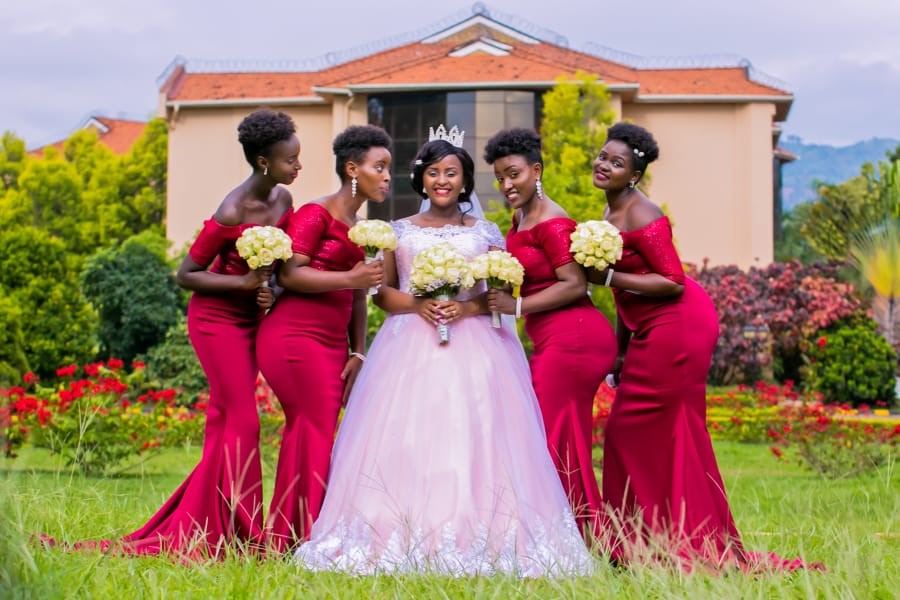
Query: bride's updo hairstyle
644	149
436	151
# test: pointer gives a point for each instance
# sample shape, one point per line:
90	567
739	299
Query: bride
441	464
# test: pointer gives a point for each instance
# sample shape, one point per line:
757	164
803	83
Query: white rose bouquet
262	245
596	244
374	236
498	269
440	272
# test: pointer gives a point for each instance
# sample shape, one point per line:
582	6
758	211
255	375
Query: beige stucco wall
206	161
714	175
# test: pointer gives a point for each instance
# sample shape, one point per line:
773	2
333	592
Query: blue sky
63	59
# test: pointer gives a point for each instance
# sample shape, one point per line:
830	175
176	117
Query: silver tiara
454	136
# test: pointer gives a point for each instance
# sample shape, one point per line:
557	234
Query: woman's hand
616	372
364	276
501	301
265	297
255	278
451	310
427	308
348	376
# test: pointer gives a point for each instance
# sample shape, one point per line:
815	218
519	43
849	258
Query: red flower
776	451
821	342
137	364
28	378
115	363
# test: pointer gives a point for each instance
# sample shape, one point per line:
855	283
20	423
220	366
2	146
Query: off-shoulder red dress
221	500
302	348
660	476
574	349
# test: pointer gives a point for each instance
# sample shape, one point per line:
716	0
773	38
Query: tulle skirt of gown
441	464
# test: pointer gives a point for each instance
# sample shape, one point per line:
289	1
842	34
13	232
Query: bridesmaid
221	500
302	344
574	345
660	476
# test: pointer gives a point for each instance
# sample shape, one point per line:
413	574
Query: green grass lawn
851	525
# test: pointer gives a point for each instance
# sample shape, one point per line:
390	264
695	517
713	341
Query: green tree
57	324
841	211
12	160
875	250
575	119
13	362
49	198
143	186
135	294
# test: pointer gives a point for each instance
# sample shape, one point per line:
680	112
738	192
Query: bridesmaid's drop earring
353	187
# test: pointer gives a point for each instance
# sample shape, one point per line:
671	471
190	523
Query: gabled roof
119	135
475	52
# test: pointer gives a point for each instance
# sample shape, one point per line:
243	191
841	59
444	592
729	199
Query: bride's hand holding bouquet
499	269
439	272
374	236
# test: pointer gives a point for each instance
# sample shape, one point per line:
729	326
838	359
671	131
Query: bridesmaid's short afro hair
639	140
353	143
262	129
514	141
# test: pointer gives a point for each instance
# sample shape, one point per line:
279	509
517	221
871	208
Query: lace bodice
470	241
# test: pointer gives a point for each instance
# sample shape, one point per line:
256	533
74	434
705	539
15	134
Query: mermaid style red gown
660	476
220	502
302	348
574	349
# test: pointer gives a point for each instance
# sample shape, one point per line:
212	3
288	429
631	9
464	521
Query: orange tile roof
120	136
415	64
731	81
122	133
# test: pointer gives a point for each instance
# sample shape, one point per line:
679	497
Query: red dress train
302	348
220	502
660	477
574	349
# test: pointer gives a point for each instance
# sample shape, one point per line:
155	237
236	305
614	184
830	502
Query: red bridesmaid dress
660	476
302	348
574	349
221	500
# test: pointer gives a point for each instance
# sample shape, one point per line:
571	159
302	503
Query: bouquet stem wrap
370	258
442	328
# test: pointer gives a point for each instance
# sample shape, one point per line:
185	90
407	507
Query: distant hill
830	164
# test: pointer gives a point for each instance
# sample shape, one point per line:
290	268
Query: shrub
173	364
768	315
135	294
99	420
853	363
12	345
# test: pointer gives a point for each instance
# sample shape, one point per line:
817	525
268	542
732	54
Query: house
716	121
118	135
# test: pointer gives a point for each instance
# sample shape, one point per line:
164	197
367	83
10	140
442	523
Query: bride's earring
353	187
